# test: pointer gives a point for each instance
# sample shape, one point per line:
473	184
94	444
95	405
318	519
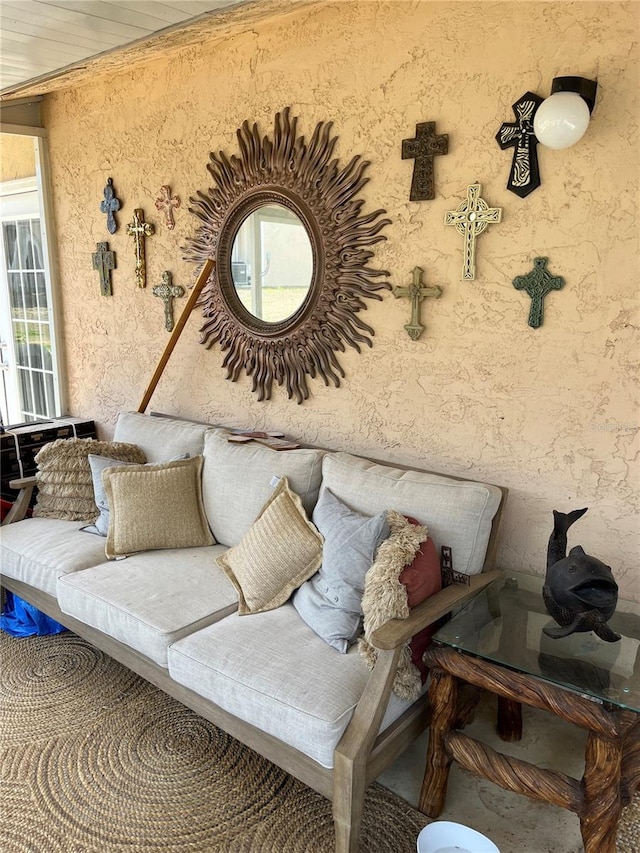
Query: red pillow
422	579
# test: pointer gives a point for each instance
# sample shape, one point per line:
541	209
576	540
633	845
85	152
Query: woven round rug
93	759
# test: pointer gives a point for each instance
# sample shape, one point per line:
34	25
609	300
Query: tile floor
516	824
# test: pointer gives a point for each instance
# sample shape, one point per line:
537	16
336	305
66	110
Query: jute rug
93	759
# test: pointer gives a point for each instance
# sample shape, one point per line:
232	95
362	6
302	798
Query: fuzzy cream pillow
385	597
155	506
279	552
63	478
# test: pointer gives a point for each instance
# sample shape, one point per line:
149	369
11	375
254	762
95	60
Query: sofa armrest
22	501
396	632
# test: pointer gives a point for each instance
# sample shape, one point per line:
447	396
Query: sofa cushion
38	550
272	671
160	438
280	551
237	481
63	477
456	513
331	602
155	506
151	599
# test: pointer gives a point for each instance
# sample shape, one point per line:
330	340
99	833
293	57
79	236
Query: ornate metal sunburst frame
303	178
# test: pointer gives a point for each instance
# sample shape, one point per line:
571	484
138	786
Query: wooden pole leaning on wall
207	269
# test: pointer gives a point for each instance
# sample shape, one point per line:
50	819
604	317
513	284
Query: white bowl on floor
443	836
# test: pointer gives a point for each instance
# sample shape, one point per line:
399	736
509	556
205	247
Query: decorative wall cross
423	148
167	202
167	291
525	174
139	229
471	218
109	206
104	261
538	283
416	292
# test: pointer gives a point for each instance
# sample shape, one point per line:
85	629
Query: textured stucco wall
550	413
17	157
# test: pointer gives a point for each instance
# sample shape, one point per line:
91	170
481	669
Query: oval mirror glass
272	263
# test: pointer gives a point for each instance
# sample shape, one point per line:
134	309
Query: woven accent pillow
386	597
63	478
155	506
280	551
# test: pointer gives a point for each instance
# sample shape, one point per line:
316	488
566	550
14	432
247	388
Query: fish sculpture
579	591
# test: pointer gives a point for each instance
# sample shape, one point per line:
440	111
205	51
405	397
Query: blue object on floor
21	619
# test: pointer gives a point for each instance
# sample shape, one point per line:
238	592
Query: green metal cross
538	283
416	292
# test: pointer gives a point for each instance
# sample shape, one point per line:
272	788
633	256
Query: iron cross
471	218
109	206
139	229
525	174
416	292
104	261
167	202
538	283
167	291
423	148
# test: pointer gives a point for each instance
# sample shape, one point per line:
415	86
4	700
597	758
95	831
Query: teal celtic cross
538	283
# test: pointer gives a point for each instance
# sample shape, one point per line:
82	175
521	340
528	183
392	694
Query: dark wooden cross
525	173
139	229
471	218
167	291
167	202
422	149
538	283
416	292
109	206
104	261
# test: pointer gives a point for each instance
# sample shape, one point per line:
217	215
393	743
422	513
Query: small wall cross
109	206
525	174
104	261
471	218
139	229
538	283
167	291
168	203
423	148
416	292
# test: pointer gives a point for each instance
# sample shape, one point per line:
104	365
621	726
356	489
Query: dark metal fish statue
579	591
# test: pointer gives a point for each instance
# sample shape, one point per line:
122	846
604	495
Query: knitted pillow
63	478
386	597
280	551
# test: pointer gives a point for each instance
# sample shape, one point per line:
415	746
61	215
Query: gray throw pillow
331	601
98	464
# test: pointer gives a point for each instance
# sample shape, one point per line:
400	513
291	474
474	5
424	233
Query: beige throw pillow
63	478
279	552
155	506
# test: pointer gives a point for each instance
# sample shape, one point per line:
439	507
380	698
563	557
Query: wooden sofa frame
362	754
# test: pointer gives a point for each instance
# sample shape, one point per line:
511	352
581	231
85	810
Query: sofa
186	589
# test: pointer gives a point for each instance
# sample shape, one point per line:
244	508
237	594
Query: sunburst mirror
284	224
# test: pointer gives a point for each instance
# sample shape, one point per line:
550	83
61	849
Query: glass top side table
504	624
496	642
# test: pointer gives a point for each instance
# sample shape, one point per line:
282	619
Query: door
28	375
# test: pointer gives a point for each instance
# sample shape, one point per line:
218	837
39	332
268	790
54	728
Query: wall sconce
563	118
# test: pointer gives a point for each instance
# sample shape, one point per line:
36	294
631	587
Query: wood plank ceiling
41	37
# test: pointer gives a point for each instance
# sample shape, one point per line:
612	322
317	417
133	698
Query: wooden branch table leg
509	726
443	696
601	786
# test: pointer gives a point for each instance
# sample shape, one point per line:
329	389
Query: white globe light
561	120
